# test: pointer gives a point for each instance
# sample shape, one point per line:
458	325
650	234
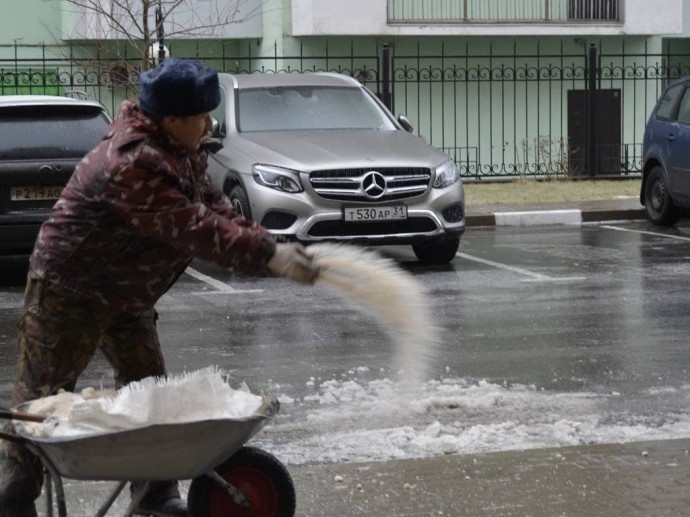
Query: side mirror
215	127
406	124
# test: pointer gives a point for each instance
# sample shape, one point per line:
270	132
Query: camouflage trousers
59	334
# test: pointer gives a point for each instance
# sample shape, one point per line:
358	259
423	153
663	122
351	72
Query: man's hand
292	261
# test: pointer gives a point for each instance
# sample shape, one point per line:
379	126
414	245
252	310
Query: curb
552	217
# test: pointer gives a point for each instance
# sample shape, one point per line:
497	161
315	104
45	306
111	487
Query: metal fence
500	112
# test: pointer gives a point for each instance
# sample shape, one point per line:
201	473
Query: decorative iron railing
500	110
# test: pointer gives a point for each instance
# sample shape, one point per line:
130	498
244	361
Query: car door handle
671	137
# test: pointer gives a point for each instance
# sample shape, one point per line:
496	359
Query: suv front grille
346	184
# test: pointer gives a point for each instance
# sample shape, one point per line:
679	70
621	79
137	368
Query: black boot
26	510
20	482
173	507
162	499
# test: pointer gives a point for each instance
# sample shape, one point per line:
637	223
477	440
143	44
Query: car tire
240	202
437	252
658	204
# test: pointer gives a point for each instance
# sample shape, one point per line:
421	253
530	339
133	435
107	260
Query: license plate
379	213
35	193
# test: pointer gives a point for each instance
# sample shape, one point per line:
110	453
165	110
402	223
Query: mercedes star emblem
373	185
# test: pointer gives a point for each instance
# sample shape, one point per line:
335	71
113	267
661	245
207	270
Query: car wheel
437	252
240	202
658	204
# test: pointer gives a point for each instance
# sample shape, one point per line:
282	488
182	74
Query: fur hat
178	88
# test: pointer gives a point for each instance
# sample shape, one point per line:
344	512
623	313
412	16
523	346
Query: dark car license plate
35	193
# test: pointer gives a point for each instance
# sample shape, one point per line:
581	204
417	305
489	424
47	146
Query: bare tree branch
137	23
129	19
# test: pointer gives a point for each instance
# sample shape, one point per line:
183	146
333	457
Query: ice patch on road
369	420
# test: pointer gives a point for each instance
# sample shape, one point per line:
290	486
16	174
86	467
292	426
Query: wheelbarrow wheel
258	475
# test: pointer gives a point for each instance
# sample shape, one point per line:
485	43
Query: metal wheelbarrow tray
157	452
209	452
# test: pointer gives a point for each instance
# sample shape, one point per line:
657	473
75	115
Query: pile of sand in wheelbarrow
201	395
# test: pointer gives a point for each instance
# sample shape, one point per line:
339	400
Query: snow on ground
356	418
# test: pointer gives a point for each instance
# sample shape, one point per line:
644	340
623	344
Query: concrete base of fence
555	213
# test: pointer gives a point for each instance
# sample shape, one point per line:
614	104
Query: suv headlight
446	174
278	178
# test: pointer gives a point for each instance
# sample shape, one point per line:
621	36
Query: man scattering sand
135	212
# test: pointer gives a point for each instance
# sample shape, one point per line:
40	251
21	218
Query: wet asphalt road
586	324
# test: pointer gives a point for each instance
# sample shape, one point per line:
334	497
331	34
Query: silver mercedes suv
317	157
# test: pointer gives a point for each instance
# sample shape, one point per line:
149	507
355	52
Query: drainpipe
592	106
160	32
386	97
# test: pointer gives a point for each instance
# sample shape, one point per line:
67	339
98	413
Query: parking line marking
677	237
519	270
221	287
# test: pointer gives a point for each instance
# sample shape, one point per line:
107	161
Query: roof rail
77	94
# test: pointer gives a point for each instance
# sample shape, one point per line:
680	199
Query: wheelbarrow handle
15	415
26	417
13	438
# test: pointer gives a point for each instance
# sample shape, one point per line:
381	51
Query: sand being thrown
378	287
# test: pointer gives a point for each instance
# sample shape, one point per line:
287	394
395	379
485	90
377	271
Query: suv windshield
60	133
306	107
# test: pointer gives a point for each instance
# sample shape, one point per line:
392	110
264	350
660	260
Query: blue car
665	188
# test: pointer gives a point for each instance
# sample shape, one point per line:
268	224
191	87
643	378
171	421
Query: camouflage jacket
135	212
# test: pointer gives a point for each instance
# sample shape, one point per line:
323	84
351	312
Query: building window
503	11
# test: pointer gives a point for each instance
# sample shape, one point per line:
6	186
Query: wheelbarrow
228	478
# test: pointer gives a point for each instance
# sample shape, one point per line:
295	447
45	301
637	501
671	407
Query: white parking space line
11	300
618	229
525	272
220	287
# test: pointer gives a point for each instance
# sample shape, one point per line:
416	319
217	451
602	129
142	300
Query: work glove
291	260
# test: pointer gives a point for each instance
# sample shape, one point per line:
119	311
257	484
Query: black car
42	138
665	188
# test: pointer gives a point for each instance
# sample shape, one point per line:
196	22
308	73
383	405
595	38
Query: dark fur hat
178	88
